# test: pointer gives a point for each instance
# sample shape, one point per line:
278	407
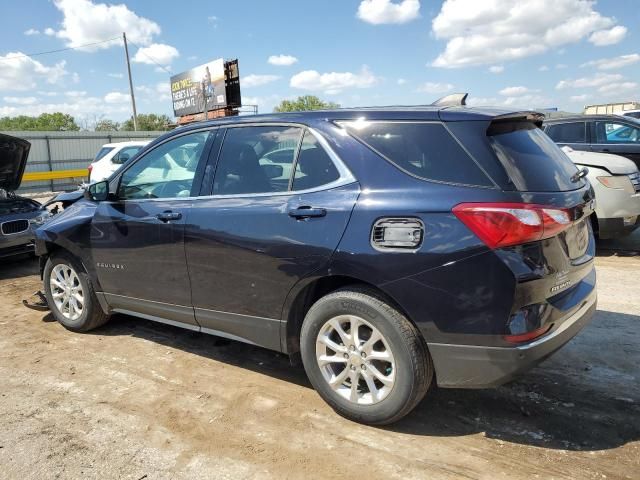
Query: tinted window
102	152
612	132
533	162
167	171
632	114
425	150
256	160
567	132
314	167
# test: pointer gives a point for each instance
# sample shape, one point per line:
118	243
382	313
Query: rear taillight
504	224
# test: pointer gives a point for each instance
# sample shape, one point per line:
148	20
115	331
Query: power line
59	50
140	50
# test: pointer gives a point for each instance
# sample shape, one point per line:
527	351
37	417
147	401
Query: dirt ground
140	400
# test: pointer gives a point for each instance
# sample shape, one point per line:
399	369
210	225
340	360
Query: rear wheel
70	294
364	357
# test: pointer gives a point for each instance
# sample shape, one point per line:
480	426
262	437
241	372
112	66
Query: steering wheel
171	189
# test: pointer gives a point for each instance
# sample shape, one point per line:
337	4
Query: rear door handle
307	212
169	216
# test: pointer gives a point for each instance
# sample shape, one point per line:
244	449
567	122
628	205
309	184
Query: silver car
616	182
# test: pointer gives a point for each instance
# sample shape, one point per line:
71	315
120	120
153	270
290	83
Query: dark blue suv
389	248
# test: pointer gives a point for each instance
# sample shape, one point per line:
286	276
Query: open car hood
614	164
13	159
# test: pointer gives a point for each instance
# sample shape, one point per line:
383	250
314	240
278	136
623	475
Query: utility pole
133	98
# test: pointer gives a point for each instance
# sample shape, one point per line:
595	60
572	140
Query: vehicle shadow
18	266
562	404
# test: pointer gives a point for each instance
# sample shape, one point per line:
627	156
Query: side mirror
97	192
272	171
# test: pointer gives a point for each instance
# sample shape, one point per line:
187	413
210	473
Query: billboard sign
200	89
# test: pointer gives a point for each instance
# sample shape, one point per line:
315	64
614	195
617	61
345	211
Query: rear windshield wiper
579	174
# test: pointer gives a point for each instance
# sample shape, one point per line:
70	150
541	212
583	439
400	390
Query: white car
616	182
111	157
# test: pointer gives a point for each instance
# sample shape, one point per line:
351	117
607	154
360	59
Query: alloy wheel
66	291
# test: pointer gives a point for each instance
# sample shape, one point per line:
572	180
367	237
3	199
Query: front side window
167	171
425	150
573	132
256	160
612	132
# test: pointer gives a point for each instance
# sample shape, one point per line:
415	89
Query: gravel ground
139	400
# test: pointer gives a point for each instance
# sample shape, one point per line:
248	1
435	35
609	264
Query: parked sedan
111	157
18	215
616	182
615	134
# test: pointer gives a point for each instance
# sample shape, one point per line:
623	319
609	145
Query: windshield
533	162
102	152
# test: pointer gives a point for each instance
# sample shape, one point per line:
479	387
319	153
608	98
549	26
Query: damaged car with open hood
19	216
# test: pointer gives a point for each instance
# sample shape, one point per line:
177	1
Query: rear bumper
471	366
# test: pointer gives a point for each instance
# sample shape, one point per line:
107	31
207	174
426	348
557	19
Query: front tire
70	294
364	357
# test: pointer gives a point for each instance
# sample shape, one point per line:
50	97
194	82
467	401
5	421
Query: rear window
102	152
533	162
424	150
573	132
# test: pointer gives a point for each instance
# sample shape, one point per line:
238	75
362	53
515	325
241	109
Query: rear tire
375	373
70	294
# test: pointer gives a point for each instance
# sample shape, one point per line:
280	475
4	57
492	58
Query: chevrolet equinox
391	249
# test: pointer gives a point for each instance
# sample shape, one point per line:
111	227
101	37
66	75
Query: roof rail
452	100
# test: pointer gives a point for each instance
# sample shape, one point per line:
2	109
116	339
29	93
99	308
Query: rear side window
102	152
424	150
533	162
573	132
314	167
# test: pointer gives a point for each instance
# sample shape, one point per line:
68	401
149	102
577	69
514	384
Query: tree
52	122
106	125
148	122
306	102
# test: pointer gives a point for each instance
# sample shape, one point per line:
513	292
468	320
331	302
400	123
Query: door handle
307	212
168	216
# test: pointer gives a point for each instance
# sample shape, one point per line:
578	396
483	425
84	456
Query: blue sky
520	53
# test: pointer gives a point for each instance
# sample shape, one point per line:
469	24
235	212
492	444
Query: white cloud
494	31
613	63
579	98
32	31
156	53
75	93
401	81
153	93
496	69
561	66
617	87
20	100
24	73
117	97
608	37
543	68
432	87
514	91
254	80
282	60
115	75
86	107
596	80
49	31
47	93
265	104
333	82
87	22
379	12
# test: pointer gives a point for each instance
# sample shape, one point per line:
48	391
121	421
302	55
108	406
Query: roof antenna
452	100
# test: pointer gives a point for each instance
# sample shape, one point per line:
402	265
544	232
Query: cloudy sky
516	53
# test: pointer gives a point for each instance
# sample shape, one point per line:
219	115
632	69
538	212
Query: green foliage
106	125
306	102
52	122
148	122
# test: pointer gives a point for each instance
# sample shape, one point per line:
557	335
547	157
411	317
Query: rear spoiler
526	116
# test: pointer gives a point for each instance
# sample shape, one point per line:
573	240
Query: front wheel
364	357
70	294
